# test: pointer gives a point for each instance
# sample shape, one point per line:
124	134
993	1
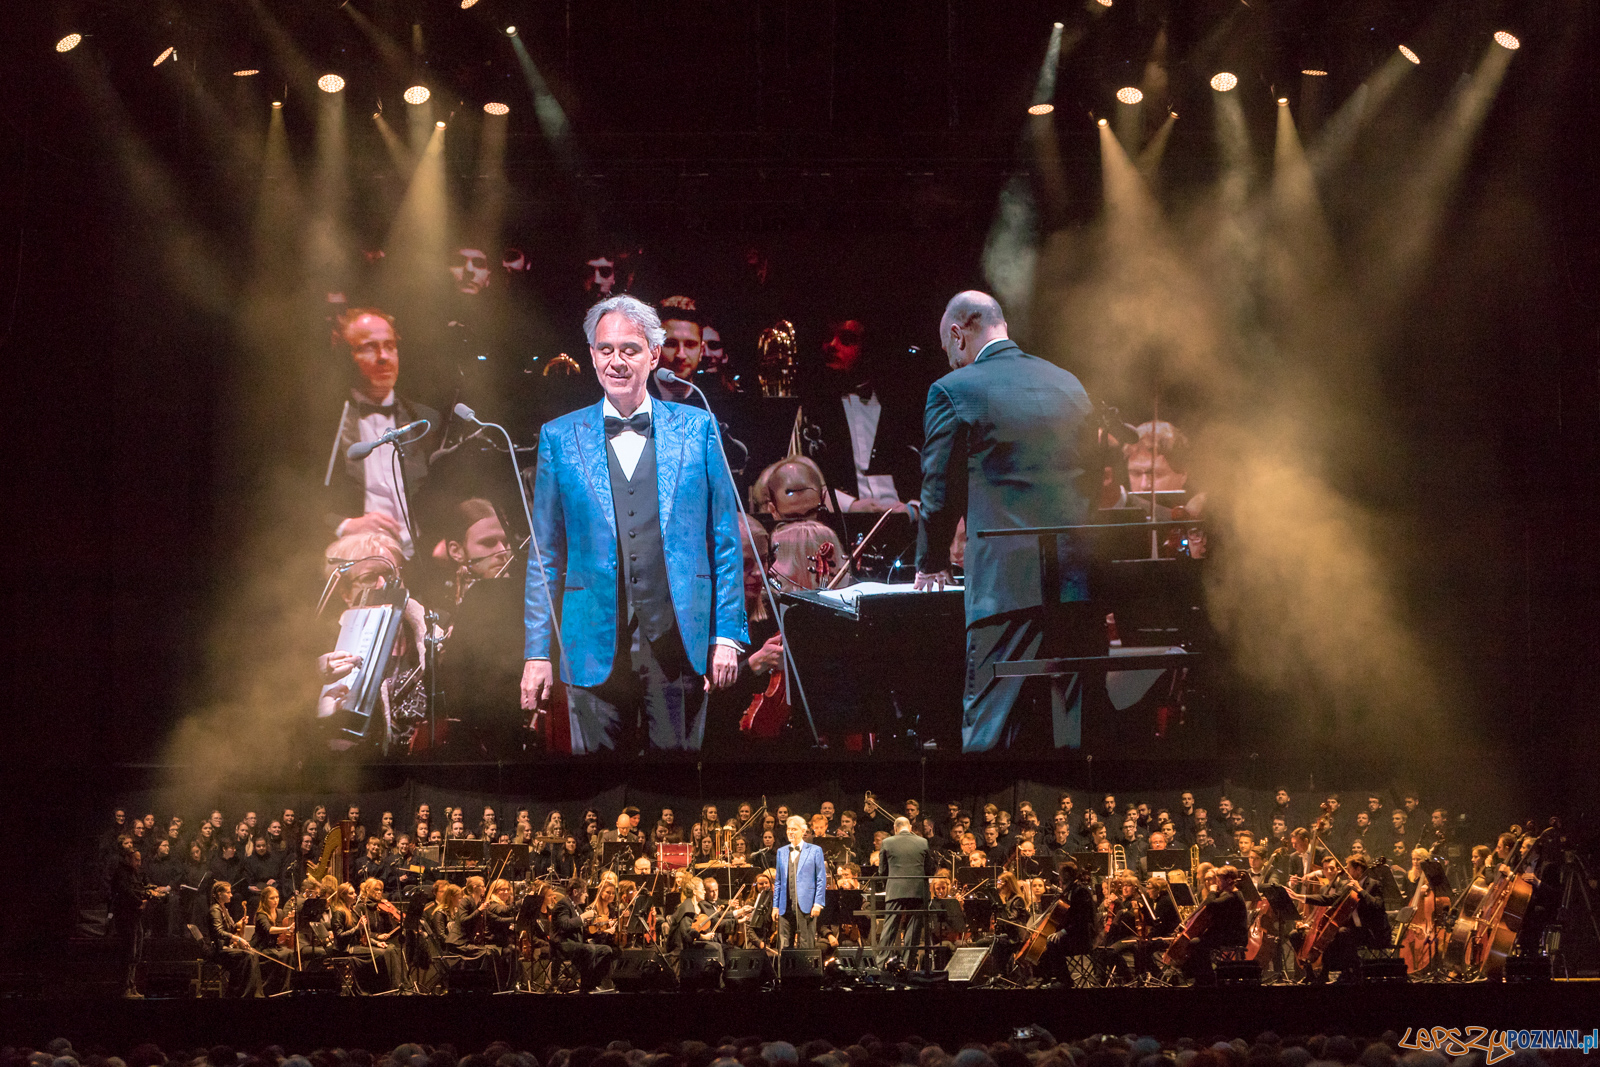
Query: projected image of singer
372	494
1008	440
638	531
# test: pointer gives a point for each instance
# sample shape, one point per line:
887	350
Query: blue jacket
811	881
577	537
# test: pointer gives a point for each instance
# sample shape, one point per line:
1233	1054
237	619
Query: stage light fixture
247	72
1105	3
1506	41
277	103
511	31
1057	26
1314	73
1412	56
439	125
330	83
170	53
1041	109
1283	101
467	3
1224	82
69	42
494	108
1129	95
417	94
1102	122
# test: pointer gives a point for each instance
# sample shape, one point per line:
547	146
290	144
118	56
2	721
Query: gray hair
902	823
796	822
631	308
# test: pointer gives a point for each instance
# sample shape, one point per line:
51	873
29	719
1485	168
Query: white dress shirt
862	415
385	494
628	445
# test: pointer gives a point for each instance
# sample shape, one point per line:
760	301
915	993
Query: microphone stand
790	669
467	414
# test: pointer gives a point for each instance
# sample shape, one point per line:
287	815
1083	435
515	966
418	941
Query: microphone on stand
666	377
362	449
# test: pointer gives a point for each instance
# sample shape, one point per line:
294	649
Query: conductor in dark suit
1008	439
905	861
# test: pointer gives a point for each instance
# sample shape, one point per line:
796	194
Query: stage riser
948	1016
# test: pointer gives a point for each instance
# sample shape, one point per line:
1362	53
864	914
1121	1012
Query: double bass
1420	930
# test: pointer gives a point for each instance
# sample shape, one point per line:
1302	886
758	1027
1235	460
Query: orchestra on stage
1168	898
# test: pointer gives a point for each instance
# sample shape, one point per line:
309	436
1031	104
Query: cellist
1367	924
1227	924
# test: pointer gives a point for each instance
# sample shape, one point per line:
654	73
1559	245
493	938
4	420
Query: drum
672	857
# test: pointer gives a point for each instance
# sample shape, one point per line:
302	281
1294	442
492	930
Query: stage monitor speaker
320	983
641	970
1383	968
476	981
167	979
1238	972
967	963
800	968
747	970
1528	969
699	968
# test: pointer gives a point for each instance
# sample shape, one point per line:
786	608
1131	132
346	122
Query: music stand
1096	865
463	854
833	853
625	852
510	860
970	877
1166	859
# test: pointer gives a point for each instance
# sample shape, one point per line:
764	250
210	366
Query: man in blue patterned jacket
637	528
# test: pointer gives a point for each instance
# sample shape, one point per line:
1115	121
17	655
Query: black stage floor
949	1015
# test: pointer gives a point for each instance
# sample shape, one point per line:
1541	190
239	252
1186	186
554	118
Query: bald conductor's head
971	320
902	825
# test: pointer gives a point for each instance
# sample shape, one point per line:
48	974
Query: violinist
600	918
692	923
272	935
1126	926
379	925
311	941
228	946
564	925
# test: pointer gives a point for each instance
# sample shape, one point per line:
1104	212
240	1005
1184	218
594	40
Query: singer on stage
644	629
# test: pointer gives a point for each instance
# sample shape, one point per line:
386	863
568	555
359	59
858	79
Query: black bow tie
365	408
862	390
638	422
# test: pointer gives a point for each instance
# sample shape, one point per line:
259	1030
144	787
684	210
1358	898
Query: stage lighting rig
171	53
417	94
1506	40
1411	56
330	83
69	42
1041	109
1224	82
1129	95
495	108
511	31
247	72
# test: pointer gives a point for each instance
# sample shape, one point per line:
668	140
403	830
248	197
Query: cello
1420	931
1509	908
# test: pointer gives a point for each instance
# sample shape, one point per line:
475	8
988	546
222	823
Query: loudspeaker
319	983
1528	969
748	970
1238	972
800	968
1383	969
966	963
699	968
639	970
856	959
477	980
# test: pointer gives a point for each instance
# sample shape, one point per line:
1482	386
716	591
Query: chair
209	979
